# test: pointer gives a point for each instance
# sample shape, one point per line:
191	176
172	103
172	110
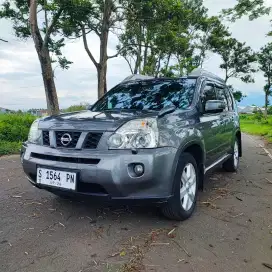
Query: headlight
35	135
139	133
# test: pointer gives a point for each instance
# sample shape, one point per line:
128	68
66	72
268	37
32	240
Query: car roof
197	73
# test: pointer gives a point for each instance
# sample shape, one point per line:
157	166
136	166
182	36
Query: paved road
230	231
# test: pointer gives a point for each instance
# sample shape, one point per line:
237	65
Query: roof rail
203	72
137	77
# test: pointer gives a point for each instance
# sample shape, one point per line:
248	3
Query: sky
21	85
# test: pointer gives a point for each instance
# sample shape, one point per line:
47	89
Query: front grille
46	139
64	159
92	140
74	138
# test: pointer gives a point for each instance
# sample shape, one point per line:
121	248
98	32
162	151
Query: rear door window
222	96
229	98
208	94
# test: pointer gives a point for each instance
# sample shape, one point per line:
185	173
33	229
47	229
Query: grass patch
255	125
8	148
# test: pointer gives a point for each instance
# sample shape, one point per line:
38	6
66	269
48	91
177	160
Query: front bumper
107	174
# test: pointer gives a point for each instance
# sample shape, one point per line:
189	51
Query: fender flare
180	150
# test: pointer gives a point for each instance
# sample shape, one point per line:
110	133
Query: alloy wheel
188	186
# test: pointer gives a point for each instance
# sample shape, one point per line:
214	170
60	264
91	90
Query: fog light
139	169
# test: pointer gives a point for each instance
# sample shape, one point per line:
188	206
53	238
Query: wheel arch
197	150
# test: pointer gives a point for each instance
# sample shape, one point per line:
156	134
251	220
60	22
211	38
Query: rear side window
230	101
208	94
222	96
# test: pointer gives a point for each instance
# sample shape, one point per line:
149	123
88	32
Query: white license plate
61	179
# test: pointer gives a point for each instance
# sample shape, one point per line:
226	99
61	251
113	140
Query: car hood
95	121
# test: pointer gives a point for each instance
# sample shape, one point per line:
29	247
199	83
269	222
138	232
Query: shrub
7	148
80	107
15	127
269	110
258	115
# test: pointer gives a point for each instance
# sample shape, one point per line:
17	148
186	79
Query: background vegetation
257	124
14	130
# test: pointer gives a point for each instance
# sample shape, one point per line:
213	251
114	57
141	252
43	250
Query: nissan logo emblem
66	139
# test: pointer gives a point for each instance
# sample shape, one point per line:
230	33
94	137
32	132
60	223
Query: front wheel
232	164
186	180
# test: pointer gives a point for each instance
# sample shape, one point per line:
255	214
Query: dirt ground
231	229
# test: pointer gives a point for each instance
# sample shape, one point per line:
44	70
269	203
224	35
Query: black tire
174	209
232	164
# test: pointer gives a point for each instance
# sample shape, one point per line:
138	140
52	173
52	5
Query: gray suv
148	140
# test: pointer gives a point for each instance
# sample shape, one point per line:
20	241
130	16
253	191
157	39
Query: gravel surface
231	229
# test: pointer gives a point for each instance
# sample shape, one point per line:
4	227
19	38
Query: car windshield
149	95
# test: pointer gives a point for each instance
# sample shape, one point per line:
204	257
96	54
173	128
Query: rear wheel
186	181
232	164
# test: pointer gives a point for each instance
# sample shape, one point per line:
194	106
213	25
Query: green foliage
258	115
265	65
7	148
15	127
237	58
158	33
238	95
18	12
253	124
253	9
80	107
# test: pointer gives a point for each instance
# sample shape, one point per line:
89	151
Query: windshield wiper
167	110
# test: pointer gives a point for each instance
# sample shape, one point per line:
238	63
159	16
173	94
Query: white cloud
21	84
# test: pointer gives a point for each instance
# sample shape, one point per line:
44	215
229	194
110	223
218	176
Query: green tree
238	95
252	8
39	19
265	65
98	17
211	28
238	59
160	36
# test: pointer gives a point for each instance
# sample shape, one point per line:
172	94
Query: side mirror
214	106
89	107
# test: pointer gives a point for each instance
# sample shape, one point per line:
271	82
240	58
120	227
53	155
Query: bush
269	110
80	107
7	148
15	127
258	115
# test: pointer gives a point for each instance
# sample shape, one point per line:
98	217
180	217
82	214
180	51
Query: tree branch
129	64
45	14
51	27
117	54
3	40
87	47
35	32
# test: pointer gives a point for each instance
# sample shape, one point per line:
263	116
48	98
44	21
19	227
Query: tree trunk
102	80
49	83
167	62
45	60
137	68
158	66
102	66
266	104
138	60
145	55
